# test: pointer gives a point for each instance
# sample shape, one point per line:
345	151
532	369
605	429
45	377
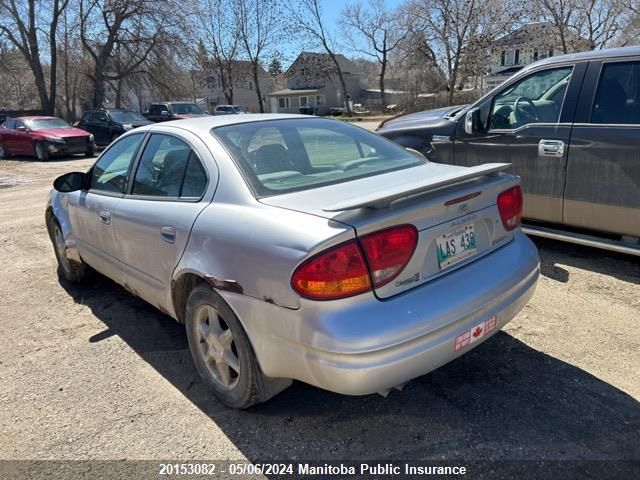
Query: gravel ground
95	373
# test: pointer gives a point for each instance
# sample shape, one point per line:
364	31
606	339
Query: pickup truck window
617	98
536	98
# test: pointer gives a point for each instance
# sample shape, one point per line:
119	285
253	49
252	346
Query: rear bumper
363	345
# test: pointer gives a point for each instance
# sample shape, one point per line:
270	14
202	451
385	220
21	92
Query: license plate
456	245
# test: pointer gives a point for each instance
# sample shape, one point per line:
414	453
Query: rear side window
280	156
110	172
618	95
169	168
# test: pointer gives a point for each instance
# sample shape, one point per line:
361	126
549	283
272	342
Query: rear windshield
281	156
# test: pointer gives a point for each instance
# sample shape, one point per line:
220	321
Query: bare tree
221	40
307	18
382	30
27	31
582	24
445	32
120	36
261	28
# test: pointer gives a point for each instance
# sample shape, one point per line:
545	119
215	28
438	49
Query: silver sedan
294	247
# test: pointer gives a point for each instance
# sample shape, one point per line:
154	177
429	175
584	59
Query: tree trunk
257	82
343	85
383	70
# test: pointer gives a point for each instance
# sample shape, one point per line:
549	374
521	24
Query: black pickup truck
570	127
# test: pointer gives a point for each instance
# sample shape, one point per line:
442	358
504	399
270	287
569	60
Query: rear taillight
336	273
388	252
510	207
342	271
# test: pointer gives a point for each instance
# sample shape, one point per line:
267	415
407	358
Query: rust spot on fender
227	285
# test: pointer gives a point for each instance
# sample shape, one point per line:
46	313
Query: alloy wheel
217	347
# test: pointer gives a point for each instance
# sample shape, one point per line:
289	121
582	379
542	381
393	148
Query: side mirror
70	182
104	118
472	121
21	129
164	113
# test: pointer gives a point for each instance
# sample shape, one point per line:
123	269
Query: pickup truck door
155	217
527	123
603	172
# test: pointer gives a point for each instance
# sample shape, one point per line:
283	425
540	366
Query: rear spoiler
384	198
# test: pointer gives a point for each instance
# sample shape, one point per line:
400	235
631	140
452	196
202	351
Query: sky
331	10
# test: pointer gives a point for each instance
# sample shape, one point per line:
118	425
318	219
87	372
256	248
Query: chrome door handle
168	234
105	216
551	148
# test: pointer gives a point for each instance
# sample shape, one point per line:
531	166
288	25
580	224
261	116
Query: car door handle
168	234
551	148
105	217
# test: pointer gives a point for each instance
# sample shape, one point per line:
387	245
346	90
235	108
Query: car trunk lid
453	208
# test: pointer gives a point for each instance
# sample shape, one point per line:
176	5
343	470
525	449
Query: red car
43	137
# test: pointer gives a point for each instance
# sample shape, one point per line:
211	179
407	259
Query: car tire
90	153
70	270
217	341
42	154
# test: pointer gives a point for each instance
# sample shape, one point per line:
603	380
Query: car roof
591	55
202	125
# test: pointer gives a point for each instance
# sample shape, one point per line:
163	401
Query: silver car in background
301	248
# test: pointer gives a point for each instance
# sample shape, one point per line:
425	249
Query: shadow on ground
627	267
504	400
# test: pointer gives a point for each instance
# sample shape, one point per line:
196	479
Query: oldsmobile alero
294	247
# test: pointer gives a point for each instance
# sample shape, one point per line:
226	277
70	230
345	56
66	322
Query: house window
516	60
535	54
503	56
282	102
319	100
304	101
250	85
551	52
509	58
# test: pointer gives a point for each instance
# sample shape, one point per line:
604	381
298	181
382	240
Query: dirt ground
94	373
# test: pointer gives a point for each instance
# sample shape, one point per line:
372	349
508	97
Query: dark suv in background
107	124
570	127
164	111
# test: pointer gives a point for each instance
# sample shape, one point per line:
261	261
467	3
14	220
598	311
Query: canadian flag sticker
475	334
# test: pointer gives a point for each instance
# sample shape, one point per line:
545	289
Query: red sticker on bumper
475	333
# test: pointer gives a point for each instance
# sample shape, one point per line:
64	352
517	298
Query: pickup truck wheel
41	151
221	349
70	270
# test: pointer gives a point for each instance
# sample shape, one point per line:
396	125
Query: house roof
313	59
292	91
540	32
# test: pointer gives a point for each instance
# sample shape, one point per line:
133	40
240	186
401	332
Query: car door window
110	172
169	168
617	98
536	98
20	123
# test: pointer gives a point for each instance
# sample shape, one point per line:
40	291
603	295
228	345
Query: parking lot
95	373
